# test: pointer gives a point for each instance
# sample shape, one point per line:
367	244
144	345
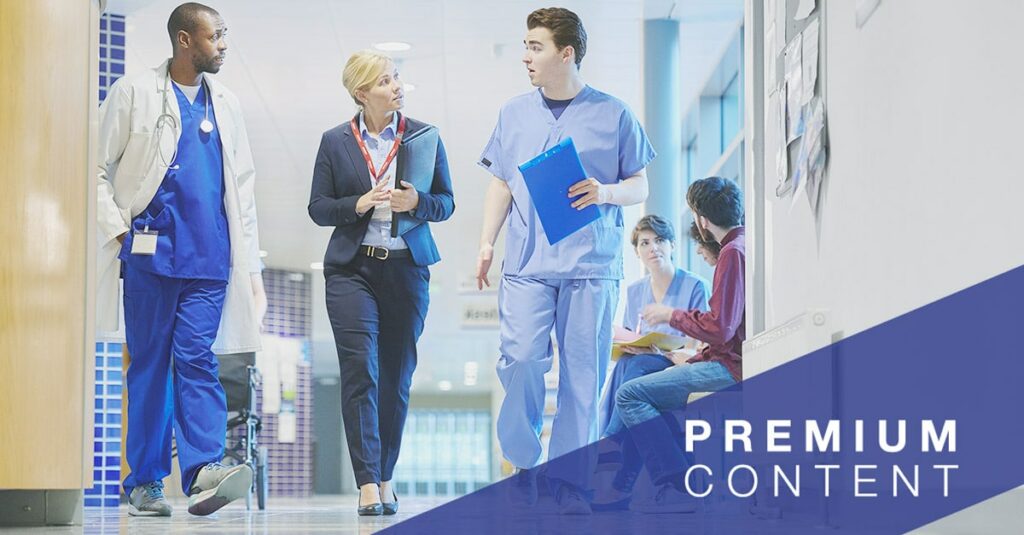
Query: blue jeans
626	369
642	401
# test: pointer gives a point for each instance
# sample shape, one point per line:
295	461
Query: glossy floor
336	514
319	514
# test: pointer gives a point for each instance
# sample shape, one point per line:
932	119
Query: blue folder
548	178
414	164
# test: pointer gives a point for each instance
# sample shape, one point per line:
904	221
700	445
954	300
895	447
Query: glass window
447	452
731	120
690	161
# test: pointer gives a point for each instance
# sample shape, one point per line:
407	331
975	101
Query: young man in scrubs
573	285
175	198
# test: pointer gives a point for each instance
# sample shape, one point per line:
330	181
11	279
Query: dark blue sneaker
523	489
616	495
571	501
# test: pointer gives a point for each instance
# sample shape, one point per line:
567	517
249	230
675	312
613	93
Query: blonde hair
362	71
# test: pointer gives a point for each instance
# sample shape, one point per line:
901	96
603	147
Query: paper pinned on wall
811	147
818	157
286	427
798	191
278	363
814	181
805	8
809	59
799	170
794	88
776	125
778	108
815	135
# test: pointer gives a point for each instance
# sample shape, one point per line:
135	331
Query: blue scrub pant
580	310
170	326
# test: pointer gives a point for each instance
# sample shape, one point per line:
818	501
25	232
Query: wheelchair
240	379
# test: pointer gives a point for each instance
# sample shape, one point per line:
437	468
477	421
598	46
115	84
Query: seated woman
707	249
653	239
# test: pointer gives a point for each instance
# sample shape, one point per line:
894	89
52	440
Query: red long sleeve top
724	326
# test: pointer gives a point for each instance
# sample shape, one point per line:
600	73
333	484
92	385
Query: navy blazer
340	177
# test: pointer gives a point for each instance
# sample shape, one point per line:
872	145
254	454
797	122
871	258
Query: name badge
144	242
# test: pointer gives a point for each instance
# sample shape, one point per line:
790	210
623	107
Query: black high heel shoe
375	509
391	508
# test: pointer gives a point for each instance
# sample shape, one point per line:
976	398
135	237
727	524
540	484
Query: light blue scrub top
612	146
188	208
686	292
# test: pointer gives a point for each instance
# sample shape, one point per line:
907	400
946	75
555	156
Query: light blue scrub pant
170	326
580	310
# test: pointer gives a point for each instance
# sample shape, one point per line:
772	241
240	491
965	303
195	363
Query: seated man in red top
717	206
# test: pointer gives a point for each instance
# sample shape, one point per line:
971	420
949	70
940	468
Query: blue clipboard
548	179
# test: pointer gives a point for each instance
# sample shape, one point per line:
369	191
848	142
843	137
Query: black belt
380	253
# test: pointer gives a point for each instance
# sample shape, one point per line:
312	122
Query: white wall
925	183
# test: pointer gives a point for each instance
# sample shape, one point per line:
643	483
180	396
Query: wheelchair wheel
262	488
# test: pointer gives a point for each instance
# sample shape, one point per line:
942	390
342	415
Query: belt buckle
372	252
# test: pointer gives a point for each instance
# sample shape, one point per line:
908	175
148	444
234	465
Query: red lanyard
391	155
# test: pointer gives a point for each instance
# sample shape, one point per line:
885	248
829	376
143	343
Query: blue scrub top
188	208
686	292
612	146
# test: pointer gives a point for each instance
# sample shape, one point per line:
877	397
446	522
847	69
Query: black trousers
377	309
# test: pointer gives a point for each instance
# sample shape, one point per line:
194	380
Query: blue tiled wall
112	47
106	473
289	303
107	430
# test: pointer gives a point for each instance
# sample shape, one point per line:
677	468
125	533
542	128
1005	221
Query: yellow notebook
623	338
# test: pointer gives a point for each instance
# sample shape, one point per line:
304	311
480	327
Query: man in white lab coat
176	214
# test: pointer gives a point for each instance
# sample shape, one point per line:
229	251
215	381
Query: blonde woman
376	279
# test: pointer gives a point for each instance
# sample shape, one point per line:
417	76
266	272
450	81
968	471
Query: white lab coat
130	172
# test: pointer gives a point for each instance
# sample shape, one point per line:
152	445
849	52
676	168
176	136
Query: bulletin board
797	100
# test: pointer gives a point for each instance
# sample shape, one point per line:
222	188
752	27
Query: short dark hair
186	18
717	199
660	226
712	246
565	26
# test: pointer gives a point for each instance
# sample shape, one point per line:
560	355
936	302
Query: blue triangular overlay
957	359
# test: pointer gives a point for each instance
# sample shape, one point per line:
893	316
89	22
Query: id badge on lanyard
374	174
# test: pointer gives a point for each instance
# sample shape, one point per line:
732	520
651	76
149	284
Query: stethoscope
166	119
